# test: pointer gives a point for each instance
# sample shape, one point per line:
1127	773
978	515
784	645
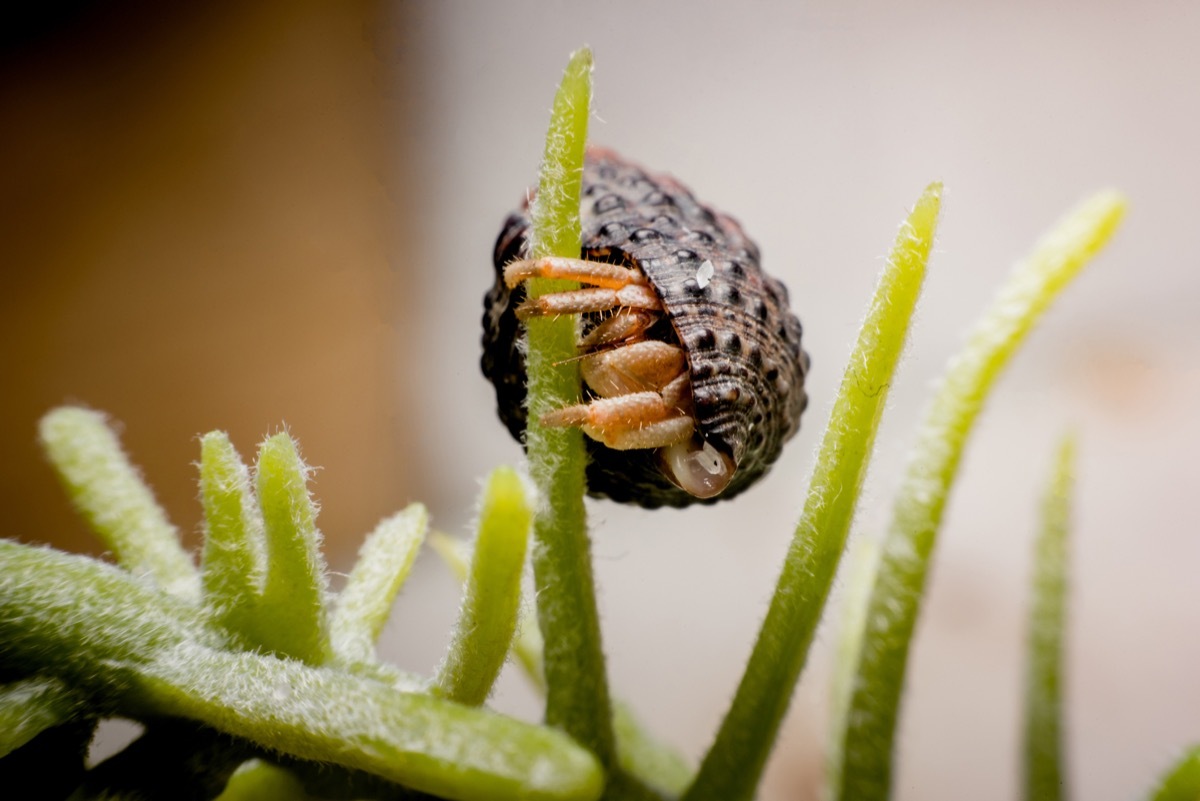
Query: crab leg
593	299
664	433
636	420
595	273
644	387
624	325
637	367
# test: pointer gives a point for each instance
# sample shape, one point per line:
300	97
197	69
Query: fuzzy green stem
111	496
101	631
413	739
577	686
868	730
639	753
293	596
384	562
734	764
864	561
527	647
1045	777
492	596
234	559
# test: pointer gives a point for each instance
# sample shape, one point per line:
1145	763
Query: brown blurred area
200	232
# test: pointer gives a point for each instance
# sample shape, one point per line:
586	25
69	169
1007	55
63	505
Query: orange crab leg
594	299
636	420
637	367
624	326
595	273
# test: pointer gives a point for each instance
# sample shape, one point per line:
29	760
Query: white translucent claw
702	472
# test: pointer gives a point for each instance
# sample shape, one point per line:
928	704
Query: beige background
231	218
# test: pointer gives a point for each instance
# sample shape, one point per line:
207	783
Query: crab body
691	357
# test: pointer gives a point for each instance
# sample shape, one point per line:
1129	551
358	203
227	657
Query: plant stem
234	561
641	756
292	617
492	593
1045	778
734	764
384	562
577	687
868	729
111	496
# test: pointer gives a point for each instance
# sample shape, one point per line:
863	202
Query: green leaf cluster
264	660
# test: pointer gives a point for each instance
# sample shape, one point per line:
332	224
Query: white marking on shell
704	273
709	460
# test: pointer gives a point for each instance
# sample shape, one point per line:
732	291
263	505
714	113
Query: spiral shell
742	342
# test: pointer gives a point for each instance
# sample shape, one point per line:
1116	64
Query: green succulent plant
254	680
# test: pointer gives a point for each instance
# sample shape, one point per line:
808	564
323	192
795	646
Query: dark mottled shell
742	342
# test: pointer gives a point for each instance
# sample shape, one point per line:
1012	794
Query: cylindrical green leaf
864	561
733	765
109	493
555	211
417	740
234	563
104	632
869	727
384	562
492	597
527	647
1045	775
639	753
293	597
577	685
55	605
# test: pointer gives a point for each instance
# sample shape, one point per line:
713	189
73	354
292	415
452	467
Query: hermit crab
691	360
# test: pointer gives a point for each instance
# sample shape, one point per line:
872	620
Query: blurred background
251	216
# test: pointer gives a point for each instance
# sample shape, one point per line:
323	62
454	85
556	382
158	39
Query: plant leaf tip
1110	205
1090	224
60	414
581	59
925	213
